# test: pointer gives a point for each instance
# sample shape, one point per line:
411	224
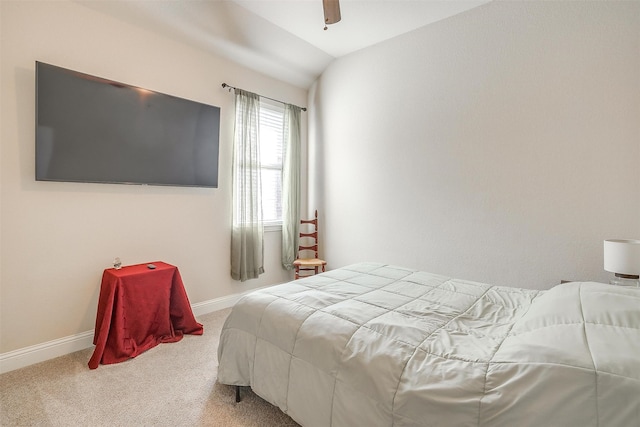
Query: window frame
272	108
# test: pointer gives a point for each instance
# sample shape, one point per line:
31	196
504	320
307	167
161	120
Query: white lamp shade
622	256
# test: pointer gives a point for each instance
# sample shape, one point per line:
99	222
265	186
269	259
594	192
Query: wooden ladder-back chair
308	243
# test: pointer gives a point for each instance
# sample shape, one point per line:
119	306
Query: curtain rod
224	86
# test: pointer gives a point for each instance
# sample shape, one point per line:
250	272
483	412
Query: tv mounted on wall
89	129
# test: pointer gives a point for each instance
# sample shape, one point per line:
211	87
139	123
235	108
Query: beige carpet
169	385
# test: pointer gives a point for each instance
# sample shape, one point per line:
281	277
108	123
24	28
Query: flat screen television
90	129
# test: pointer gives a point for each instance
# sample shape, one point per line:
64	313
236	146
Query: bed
380	345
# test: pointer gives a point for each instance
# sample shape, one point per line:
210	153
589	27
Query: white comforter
379	345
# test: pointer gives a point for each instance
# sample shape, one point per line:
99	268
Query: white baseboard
205	307
48	350
26	356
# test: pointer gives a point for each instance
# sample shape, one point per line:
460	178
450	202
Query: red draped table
138	309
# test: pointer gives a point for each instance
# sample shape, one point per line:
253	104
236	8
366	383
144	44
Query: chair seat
309	262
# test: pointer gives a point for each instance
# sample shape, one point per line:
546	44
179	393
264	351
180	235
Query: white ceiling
281	38
364	22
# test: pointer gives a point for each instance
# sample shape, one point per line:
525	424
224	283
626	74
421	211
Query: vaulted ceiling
284	39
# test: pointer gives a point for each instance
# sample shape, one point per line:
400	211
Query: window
271	157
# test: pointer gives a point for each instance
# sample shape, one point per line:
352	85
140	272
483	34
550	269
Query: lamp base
626	280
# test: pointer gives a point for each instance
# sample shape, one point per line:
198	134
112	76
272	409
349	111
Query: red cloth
138	309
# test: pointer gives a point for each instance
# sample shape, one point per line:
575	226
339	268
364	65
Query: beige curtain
247	245
291	185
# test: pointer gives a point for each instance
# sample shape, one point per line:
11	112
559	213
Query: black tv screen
89	129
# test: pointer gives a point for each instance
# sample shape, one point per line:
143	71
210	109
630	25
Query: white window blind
271	156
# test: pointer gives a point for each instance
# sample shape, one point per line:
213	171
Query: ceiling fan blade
331	11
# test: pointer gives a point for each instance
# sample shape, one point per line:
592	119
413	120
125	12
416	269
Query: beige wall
500	145
58	237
